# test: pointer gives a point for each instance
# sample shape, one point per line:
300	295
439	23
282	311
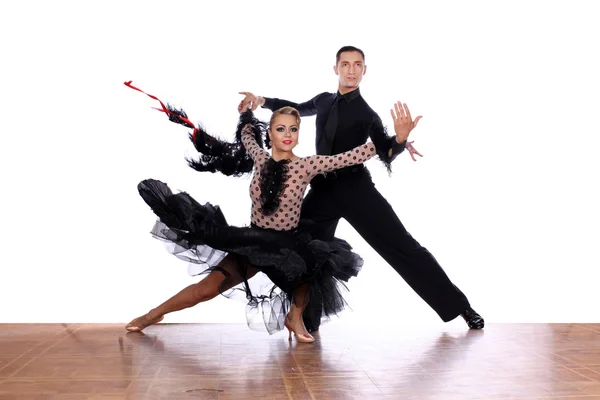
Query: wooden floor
212	361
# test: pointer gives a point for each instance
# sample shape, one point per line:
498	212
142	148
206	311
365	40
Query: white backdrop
505	197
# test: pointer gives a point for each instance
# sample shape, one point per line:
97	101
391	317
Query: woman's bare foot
296	325
140	323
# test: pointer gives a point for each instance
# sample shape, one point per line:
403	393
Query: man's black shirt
356	122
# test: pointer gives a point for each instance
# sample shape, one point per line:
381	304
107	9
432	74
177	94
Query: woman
274	244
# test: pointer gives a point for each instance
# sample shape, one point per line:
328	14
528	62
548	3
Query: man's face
350	69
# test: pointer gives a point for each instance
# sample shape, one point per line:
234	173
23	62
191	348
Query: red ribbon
164	109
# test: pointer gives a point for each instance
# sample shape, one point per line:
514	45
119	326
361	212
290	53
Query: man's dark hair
348	48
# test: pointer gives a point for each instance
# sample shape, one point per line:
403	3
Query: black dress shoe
474	320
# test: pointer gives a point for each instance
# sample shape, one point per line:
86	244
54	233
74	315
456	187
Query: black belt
344	171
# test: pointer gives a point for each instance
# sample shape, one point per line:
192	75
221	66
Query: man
344	120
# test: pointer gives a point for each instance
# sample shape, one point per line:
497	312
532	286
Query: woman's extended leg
222	279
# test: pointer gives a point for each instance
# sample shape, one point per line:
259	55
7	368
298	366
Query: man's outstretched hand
250	101
403	122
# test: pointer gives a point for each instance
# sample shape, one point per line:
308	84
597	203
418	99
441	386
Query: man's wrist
398	147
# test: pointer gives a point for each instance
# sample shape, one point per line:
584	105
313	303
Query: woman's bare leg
207	289
293	321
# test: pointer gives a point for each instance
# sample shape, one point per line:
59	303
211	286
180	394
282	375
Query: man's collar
348	96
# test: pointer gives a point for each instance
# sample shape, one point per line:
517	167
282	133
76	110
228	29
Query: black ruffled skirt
200	234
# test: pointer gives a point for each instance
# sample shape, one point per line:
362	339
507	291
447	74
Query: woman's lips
287	142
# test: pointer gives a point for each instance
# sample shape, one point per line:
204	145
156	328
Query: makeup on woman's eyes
281	128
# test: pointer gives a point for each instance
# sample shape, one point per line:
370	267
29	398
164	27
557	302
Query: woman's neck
279	155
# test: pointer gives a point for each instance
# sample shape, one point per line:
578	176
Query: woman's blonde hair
287	110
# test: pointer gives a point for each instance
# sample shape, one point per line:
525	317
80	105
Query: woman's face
284	132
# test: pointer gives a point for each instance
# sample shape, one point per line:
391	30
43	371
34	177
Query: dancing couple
291	238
